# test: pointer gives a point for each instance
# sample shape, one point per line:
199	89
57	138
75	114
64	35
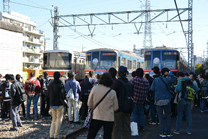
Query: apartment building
33	39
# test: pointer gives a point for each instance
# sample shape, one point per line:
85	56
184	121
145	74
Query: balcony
33	40
34	32
37	60
36	51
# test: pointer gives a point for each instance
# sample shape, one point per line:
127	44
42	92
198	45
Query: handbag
70	93
90	114
134	129
62	100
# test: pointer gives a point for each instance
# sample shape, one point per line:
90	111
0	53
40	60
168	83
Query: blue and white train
102	59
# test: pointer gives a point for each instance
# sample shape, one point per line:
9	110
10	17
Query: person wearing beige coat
103	114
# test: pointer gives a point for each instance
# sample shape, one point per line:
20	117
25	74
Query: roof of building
10	27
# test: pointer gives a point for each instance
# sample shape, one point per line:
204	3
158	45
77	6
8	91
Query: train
101	59
165	57
96	60
64	61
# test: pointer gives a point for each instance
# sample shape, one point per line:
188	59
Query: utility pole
190	37
55	28
207	50
147	42
6	6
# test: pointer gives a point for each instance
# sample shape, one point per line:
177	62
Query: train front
162	58
100	61
57	60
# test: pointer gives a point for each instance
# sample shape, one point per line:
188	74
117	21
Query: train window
123	63
45	58
52	60
88	60
147	60
63	60
169	59
129	66
134	64
138	65
119	61
108	60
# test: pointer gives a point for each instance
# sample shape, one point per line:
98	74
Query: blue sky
117	36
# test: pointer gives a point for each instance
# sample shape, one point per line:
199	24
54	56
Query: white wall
11	55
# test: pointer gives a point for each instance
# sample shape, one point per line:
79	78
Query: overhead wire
44	23
91	39
166	34
29	5
38	4
180	21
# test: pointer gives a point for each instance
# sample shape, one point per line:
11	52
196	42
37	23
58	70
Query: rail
75	133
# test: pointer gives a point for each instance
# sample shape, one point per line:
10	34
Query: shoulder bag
90	114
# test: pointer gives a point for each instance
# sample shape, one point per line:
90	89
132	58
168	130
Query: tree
198	68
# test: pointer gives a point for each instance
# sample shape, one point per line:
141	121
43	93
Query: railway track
75	133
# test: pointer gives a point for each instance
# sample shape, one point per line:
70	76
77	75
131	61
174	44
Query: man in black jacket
57	95
15	104
6	98
44	95
121	127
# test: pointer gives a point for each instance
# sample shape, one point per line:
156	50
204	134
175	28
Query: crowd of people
116	100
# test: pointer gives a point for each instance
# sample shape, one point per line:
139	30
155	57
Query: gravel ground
39	129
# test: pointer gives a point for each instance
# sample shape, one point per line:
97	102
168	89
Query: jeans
138	115
184	105
95	126
121	126
57	117
73	106
14	112
5	109
167	108
23	108
153	112
35	102
203	104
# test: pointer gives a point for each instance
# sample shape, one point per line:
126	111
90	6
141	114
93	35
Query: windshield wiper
105	68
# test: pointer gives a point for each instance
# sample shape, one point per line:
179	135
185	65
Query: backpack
204	90
188	92
70	93
126	98
45	87
31	90
21	93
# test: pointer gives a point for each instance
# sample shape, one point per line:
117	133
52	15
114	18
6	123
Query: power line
44	23
91	39
38	4
29	5
180	21
166	34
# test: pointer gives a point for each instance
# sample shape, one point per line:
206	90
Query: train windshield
108	60
57	60
147	60
169	59
88	61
